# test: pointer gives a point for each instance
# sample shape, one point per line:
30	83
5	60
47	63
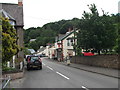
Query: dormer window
7	15
12	23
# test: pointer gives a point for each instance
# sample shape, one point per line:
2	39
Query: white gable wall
67	48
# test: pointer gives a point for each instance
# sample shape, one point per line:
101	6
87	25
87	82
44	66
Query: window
68	42
34	58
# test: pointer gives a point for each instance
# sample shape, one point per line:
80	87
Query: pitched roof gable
6	15
66	36
14	11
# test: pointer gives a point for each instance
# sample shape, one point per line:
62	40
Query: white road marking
43	64
85	88
63	75
50	68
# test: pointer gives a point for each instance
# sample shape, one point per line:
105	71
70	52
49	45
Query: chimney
20	2
69	30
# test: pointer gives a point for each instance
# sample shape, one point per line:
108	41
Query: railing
5	82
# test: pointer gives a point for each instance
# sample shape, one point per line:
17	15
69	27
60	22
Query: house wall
20	40
51	52
67	48
46	51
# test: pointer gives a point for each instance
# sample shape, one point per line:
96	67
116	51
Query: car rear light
28	60
40	60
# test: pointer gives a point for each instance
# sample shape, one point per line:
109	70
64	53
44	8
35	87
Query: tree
26	51
9	39
65	27
97	32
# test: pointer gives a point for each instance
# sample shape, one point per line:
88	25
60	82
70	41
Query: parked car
41	55
88	54
33	62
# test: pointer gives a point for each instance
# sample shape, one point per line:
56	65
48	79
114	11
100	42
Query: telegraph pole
75	43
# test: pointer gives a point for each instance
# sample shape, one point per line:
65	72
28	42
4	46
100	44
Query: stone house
14	12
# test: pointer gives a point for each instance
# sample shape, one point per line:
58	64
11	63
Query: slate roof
66	36
41	49
32	50
14	11
59	37
6	15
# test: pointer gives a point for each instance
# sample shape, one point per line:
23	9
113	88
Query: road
55	75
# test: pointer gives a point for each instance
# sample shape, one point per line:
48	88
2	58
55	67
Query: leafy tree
117	24
64	28
9	39
26	51
97	32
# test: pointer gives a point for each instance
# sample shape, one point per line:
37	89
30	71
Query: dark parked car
34	62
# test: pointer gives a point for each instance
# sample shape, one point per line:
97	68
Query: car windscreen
34	58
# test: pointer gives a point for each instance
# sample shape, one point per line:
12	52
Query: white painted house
64	46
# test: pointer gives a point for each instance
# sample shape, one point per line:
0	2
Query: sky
40	12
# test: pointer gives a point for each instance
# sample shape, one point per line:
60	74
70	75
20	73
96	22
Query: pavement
99	70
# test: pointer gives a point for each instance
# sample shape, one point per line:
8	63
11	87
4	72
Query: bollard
21	65
13	61
8	64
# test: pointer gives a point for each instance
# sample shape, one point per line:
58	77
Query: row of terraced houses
63	46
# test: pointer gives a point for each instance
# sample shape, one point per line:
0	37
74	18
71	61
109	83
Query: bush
6	70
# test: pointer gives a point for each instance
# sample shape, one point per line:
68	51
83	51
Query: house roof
6	15
32	40
14	12
66	35
41	49
32	50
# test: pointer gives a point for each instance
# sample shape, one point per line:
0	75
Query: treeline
97	32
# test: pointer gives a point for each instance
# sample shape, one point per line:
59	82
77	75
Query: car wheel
40	67
28	68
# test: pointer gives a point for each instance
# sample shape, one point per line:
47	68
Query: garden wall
107	61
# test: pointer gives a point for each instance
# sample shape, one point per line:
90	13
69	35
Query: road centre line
58	72
63	75
85	88
50	68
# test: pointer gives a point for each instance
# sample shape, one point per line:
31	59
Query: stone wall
108	61
14	76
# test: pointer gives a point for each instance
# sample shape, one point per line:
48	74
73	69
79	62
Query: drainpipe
62	49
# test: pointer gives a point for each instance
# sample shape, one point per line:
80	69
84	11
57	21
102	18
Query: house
31	40
52	52
32	51
41	50
65	45
14	12
58	46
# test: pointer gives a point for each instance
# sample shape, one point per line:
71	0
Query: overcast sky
39	12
